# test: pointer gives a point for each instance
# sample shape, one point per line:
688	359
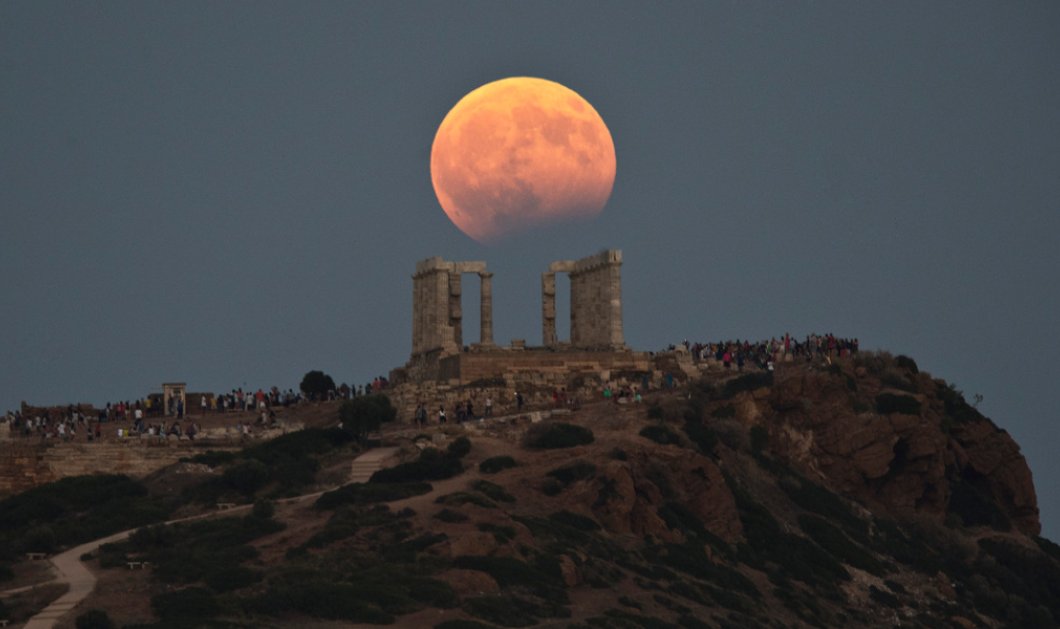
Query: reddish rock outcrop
626	495
825	423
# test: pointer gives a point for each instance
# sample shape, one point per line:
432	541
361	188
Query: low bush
463	624
574	520
448	515
74	510
704	438
431	465
510	572
573	471
212	458
370	493
461	498
724	412
226	578
759	439
502	534
907	363
839	545
185	605
94	619
495	464
747	382
887	403
661	434
323	599
365	414
552	435
492	491
459	448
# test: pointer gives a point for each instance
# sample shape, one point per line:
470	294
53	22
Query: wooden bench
35	556
3	622
224	506
133	565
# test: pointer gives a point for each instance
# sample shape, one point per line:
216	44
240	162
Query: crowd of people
764	354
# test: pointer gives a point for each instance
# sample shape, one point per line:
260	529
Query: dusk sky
232	194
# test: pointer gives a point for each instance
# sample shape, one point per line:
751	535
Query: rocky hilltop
862	493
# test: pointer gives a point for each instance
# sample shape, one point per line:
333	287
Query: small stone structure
171	391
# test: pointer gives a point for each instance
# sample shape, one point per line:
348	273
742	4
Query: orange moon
519	153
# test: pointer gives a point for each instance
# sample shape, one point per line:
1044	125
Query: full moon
519	153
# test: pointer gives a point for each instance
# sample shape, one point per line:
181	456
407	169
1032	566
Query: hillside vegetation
864	493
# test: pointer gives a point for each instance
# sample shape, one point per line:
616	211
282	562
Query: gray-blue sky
230	193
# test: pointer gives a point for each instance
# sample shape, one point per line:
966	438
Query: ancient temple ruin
596	344
595	301
437	312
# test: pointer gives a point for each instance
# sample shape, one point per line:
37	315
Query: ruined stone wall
27	463
596	301
437	311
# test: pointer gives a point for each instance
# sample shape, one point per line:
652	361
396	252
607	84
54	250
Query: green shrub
185	605
459	448
510	572
574	520
839	545
816	499
884	597
747	382
94	619
365	414
370	493
887	403
246	477
323	599
495	464
573	471
704	438
431	465
655	411
502	534
448	515
724	412
213	458
461	498
230	577
492	491
316	384
897	380
511	611
957	409
907	363
463	624
759	438
263	509
551	435
75	509
661	434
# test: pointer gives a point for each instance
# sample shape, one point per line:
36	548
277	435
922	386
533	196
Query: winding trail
81	581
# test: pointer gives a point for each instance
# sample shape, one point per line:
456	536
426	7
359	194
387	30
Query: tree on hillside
364	414
316	385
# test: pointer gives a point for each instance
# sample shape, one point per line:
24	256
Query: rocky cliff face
894	439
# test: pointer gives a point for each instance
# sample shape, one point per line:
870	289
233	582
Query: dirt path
70	571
